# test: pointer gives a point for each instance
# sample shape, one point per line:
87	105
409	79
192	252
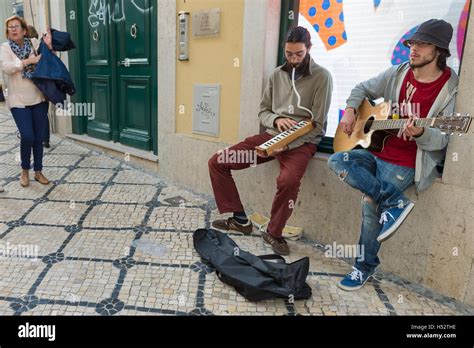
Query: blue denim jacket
51	75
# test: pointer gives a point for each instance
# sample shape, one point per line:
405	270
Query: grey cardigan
432	144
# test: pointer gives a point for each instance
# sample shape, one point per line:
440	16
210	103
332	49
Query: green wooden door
135	64
117	62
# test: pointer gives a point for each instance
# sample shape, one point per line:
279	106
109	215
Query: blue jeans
383	184
32	122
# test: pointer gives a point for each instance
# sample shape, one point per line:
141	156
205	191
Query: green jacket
432	144
279	100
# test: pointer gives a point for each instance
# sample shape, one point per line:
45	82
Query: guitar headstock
453	123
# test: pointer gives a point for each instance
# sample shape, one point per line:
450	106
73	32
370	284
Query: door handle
125	63
134	31
95	35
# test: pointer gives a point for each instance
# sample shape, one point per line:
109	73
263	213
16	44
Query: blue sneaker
354	280
392	219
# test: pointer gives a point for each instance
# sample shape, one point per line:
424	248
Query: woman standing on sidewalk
25	101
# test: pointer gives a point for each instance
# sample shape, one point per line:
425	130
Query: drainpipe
47	11
52	109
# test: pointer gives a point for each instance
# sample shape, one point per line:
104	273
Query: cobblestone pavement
112	238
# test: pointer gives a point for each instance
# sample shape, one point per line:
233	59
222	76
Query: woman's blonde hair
22	21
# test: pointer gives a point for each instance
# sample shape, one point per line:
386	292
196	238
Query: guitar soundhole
368	124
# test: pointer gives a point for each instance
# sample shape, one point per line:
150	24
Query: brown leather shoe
232	225
278	245
41	178
25	178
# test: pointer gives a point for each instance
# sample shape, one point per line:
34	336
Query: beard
301	68
303	63
423	63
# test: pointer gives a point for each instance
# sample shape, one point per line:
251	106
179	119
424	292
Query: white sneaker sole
397	223
352	288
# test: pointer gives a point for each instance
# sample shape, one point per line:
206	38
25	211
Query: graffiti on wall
101	12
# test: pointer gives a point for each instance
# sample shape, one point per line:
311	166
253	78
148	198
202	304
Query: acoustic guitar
374	125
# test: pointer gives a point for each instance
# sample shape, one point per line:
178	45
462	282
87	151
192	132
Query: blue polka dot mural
327	19
401	53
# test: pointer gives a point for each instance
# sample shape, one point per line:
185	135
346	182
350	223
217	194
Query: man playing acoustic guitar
282	107
426	84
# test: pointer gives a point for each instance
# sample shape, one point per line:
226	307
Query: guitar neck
397	124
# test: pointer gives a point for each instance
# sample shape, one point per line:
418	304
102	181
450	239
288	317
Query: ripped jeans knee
342	175
370	211
334	164
367	199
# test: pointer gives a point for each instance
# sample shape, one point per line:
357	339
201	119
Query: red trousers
293	164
